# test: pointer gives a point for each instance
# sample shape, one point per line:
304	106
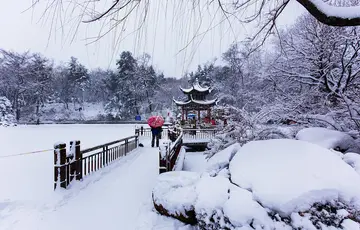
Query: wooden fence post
162	160
104	156
126	146
137	131
107	154
77	165
60	165
168	158
136	141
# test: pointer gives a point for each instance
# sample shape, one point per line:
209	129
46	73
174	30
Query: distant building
196	100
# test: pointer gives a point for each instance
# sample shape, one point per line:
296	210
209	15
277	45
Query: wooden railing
143	132
168	154
102	155
77	163
146	132
201	134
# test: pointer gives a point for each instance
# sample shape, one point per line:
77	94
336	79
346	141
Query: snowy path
118	197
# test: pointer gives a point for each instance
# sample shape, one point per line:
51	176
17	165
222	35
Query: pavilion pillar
198	115
209	113
186	113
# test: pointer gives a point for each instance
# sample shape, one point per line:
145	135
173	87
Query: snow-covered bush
330	139
7	116
244	127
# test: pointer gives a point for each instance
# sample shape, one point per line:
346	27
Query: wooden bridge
77	163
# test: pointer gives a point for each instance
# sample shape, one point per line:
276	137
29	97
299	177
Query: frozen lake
25	138
30	176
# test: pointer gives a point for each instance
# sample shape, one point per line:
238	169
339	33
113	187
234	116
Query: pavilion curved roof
197	102
196	87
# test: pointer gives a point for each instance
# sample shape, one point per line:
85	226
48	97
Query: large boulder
330	139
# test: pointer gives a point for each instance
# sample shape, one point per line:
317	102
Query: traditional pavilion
196	100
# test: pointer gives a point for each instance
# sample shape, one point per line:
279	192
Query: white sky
167	30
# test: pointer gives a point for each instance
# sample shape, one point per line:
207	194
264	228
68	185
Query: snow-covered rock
330	139
289	176
242	210
353	159
221	160
175	195
212	193
277	184
350	225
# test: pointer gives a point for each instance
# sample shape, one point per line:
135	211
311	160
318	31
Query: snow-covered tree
72	80
321	65
133	88
7	116
123	99
147	84
16	79
97	88
41	74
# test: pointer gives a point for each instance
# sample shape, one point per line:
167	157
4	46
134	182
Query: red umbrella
155	121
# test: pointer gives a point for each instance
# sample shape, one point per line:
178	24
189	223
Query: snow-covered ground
286	176
30	177
116	197
194	162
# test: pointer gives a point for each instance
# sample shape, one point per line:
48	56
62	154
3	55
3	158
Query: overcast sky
165	33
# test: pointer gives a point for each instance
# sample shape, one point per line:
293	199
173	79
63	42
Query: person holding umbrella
155	122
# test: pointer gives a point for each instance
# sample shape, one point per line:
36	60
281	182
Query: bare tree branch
332	15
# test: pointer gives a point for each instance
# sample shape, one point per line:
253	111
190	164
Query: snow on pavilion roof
196	87
197	102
